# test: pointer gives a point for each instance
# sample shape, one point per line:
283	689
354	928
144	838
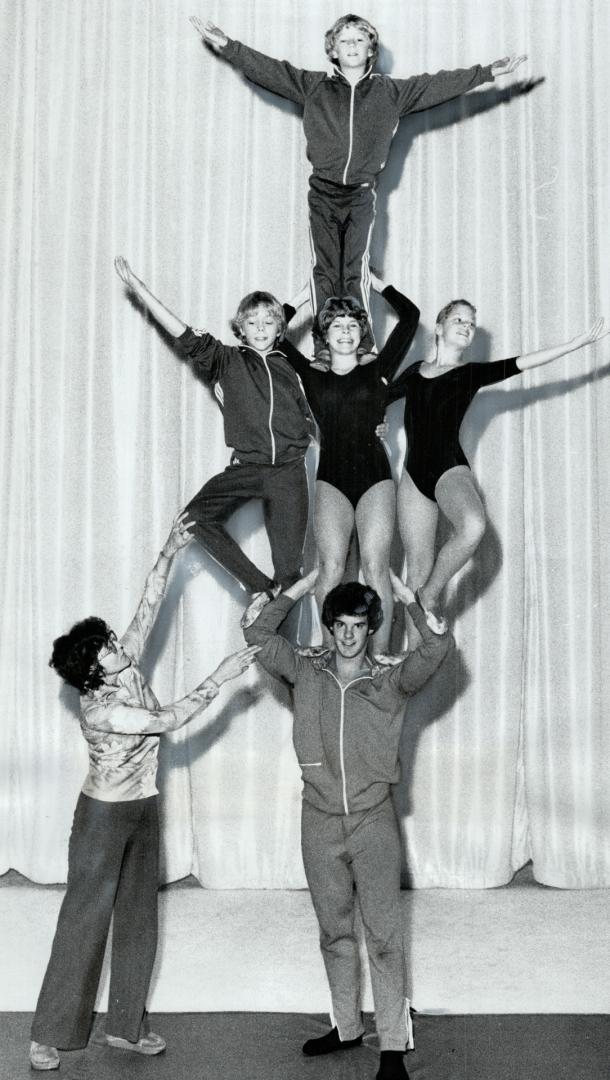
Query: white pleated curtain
121	134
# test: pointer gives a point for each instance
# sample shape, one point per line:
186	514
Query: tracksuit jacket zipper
342	690
264	359
352	87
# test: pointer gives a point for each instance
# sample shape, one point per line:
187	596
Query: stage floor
267	1046
523	948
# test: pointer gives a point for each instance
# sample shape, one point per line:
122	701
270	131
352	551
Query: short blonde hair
250	303
331	35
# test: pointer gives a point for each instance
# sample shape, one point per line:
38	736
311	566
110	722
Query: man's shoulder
318	655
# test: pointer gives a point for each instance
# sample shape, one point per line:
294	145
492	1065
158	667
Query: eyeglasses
108	648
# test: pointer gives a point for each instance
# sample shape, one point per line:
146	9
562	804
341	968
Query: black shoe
328	1043
392	1067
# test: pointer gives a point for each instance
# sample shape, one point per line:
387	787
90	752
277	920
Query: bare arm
544	356
163	315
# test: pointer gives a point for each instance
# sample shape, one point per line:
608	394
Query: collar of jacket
321	658
272	352
338	74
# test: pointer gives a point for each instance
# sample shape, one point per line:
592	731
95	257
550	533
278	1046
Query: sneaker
391	1066
328	1043
149	1044
43	1057
436	623
258	602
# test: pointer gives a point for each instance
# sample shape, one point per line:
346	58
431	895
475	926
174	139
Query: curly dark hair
74	655
336	306
352	598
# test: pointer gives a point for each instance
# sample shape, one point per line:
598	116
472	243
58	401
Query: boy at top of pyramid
350	118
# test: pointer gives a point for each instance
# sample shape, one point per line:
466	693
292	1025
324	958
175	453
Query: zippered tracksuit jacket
268	424
346	740
349	131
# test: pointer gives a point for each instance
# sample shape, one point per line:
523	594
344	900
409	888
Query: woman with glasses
437	475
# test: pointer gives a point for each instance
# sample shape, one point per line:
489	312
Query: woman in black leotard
437	474
354	481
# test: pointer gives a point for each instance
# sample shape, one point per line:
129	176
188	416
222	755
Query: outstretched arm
279	76
131	720
163	315
544	356
134	638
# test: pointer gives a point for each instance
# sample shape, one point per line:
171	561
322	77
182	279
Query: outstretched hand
401	592
209	33
507	65
124	271
234	665
179	536
597	331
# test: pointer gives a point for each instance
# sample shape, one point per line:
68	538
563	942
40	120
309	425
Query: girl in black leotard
354	481
437	474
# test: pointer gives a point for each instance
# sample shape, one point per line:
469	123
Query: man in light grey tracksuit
348	716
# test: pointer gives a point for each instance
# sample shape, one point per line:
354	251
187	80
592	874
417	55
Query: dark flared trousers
112	866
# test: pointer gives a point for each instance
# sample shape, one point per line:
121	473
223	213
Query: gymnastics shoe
391	1066
258	602
328	1043
43	1057
436	624
149	1044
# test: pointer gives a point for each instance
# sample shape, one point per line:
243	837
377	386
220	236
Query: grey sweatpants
361	850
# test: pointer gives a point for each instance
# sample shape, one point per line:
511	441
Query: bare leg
375	515
333	524
417	523
460	502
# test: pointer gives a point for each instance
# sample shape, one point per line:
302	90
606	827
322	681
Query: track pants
283	490
112	865
361	850
341	222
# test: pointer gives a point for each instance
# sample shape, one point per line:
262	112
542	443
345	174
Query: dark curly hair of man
74	655
352	598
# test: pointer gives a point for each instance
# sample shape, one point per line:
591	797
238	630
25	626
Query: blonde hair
249	304
331	35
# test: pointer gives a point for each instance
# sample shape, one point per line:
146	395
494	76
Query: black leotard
434	410
348	407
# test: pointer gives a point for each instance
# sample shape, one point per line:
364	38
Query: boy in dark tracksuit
348	717
267	423
350	118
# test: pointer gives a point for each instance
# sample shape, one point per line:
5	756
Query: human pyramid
349	695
